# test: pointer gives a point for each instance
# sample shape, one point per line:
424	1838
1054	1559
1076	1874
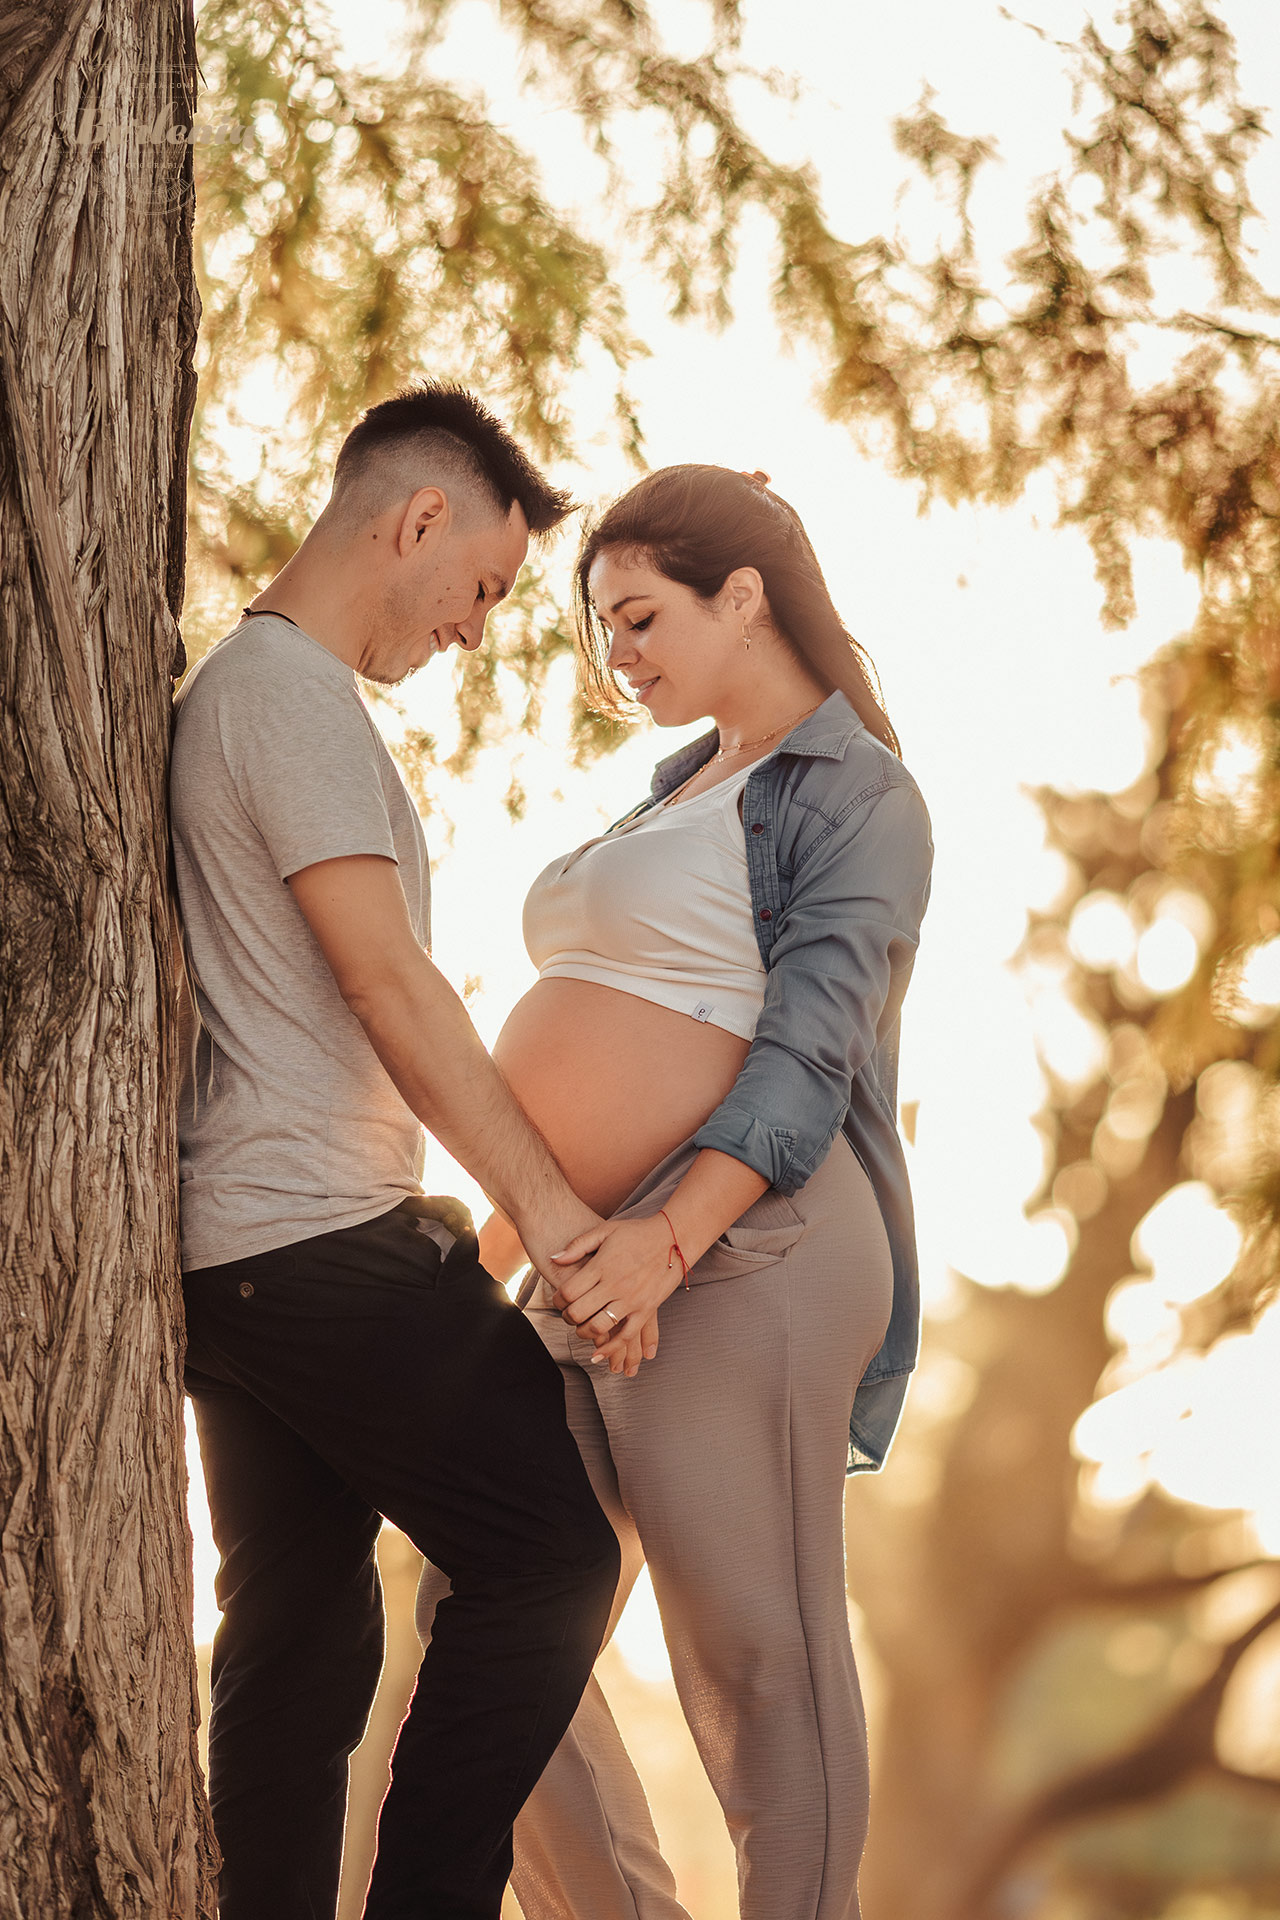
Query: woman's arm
501	1252
716	1191
841	958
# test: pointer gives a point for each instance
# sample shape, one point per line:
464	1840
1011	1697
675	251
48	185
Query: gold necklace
748	746
727	753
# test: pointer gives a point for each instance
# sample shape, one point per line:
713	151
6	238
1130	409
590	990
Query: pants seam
613	1847
595	1386
572	1359
800	1613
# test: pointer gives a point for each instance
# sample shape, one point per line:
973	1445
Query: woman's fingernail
649	1352
596	1359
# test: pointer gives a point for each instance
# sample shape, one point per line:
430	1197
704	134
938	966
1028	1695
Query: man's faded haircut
438	434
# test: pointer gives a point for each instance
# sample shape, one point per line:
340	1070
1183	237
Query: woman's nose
620	653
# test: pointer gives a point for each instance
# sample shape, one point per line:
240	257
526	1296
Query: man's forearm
423	1035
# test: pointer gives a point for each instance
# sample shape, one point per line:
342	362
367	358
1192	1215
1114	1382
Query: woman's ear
744	593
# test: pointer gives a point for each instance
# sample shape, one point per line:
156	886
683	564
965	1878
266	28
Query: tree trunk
101	1807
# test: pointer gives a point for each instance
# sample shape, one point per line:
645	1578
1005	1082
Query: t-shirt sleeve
305	766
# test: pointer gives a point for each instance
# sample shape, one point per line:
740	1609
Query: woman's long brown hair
697	525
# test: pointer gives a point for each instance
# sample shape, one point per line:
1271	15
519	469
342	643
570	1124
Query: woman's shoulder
834	764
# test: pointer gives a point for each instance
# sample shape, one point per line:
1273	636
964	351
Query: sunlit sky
998	675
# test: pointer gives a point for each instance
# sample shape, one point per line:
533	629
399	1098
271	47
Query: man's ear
426	513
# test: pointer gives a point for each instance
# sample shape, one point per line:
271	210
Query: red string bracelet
675	1248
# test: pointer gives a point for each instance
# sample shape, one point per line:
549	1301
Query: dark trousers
380	1370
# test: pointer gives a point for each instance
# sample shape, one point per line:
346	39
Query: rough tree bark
101	1807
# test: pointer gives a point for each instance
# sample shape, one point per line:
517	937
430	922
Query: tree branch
1180	1743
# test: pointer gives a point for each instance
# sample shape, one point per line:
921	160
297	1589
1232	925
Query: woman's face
677	655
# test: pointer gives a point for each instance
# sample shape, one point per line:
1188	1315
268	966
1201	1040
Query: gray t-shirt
289	1125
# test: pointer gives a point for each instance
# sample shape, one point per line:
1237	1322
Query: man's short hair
434	433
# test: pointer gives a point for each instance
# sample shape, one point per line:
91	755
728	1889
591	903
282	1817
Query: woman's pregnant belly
611	1081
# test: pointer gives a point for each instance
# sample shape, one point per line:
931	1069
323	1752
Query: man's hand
559	1228
503	1254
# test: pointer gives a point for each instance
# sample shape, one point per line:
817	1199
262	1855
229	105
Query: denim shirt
838	855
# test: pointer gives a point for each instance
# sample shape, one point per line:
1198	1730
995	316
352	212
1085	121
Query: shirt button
758	827
246	1289
766	913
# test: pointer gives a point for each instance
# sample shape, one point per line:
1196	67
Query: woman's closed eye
642	626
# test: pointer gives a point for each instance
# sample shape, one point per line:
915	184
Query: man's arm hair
422	1033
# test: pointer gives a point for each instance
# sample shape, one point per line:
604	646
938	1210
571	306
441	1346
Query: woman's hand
632	1273
501	1253
637	1266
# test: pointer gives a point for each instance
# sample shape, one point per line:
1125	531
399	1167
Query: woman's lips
641	689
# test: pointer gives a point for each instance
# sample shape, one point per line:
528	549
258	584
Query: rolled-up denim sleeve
840	962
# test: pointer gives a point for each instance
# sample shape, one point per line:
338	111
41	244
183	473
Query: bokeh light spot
1082	1188
1101	933
1048	1245
1188	1241
1140	1318
1258	992
1166	956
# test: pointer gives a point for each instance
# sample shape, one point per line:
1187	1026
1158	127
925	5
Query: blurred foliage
367	228
970	388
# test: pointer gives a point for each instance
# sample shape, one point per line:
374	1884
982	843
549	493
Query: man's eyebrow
497	586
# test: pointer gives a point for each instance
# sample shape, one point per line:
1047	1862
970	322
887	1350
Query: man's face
439	582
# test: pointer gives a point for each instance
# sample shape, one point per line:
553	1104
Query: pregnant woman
711	1050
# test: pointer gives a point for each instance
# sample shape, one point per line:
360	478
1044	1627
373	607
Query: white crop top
660	908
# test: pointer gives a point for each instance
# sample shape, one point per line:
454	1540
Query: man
348	1356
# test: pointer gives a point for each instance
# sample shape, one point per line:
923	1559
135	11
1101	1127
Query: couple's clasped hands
613	1275
622	1271
609	1279
628	1267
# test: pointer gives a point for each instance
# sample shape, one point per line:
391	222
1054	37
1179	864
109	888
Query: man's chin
395	673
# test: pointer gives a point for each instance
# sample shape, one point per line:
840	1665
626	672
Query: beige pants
722	1465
